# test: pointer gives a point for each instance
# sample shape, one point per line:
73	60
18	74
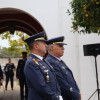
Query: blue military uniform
65	79
69	88
20	75
41	82
1	75
9	74
40	76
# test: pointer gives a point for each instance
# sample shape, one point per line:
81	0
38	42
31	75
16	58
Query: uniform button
71	89
66	73
57	96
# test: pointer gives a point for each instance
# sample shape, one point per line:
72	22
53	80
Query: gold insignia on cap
57	42
63	67
43	67
39	38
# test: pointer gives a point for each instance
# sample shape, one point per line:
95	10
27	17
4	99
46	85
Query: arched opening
12	19
21	20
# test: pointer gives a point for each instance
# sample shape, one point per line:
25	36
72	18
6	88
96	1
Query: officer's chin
62	54
46	53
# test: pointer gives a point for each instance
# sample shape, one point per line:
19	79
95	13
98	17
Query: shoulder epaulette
35	61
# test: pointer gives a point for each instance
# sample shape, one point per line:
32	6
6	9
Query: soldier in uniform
1	76
40	76
69	88
9	73
20	75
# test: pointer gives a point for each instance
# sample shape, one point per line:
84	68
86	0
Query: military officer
69	88
40	76
20	75
9	73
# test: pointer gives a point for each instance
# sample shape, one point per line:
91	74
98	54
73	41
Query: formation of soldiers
45	78
9	73
1	76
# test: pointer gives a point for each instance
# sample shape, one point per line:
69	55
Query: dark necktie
53	71
48	64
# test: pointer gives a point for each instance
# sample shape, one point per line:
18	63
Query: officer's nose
63	48
46	45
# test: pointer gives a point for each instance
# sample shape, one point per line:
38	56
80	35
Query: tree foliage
86	16
8	52
16	45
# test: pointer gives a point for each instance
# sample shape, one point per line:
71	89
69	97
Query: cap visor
61	44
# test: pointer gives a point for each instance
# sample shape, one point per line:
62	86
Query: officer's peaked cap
24	53
37	37
57	40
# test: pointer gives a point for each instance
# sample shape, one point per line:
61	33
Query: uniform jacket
69	88
9	69
1	73
41	80
20	69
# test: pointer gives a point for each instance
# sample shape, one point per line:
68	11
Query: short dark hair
24	53
9	58
31	45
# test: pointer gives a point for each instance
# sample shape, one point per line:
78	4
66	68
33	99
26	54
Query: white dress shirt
38	56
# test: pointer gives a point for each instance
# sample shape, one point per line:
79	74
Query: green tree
7	52
16	46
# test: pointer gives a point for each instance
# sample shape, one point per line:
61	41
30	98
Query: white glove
60	97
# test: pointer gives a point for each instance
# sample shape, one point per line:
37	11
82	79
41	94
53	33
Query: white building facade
56	22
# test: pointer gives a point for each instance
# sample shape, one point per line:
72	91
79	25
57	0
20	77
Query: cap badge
39	38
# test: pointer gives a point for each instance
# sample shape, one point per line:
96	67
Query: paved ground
10	94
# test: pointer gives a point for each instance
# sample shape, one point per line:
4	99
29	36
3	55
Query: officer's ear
35	45
51	47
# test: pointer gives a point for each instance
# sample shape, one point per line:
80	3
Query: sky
4	43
